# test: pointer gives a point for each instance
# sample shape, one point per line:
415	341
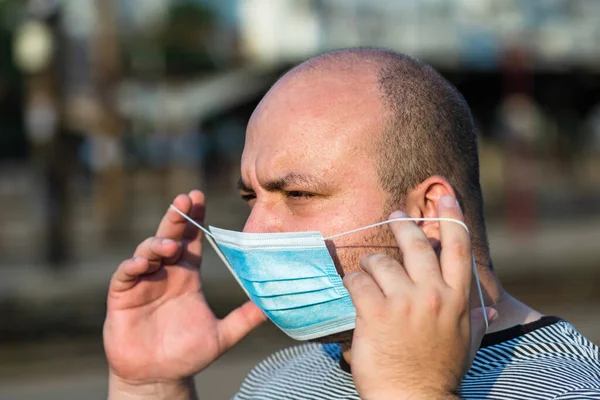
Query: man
339	143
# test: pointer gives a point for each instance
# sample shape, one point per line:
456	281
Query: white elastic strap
184	215
398	219
431	219
485	318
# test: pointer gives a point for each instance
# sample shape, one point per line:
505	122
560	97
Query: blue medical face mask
291	277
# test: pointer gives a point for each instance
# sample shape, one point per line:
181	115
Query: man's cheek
346	254
347	258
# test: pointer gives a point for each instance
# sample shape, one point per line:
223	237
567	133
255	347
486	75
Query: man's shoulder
550	337
549	343
550	360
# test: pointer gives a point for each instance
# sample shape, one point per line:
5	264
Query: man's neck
511	312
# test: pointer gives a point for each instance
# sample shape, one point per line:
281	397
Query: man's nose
263	219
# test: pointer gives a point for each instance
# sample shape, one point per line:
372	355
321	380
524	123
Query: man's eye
248	197
295	194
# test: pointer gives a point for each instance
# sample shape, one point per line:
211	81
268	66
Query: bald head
429	129
401	112
337	101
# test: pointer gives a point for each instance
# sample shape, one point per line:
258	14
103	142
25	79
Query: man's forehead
328	107
314	122
326	86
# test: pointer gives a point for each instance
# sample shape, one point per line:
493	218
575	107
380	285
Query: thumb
235	326
478	328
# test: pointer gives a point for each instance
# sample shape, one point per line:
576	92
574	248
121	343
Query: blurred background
109	108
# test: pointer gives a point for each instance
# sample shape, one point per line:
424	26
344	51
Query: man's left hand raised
416	334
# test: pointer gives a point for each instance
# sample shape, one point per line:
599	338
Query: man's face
308	163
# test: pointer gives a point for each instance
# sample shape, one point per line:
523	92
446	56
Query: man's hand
159	330
416	334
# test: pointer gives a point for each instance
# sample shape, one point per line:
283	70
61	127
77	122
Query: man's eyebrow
294	180
291	179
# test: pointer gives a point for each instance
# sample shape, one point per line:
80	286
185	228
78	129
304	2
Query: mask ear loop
431	219
184	215
211	240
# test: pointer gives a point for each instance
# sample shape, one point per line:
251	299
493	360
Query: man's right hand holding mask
159	330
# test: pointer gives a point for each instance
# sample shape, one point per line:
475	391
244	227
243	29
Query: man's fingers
148	258
456	257
387	272
176	227
192	233
126	276
157	249
238	323
366	295
173	225
419	258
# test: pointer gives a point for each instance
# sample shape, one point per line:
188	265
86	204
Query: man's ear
422	202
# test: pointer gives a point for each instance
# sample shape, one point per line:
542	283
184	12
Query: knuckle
420	245
121	266
130	261
434	302
367	261
460	249
116	276
150	241
127	262
358	281
382	261
145	244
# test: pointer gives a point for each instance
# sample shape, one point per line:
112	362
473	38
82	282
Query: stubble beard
347	259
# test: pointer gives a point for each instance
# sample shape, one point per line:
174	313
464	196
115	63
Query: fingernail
137	259
448	201
166	241
491	313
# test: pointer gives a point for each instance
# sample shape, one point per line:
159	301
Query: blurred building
161	89
556	34
108	108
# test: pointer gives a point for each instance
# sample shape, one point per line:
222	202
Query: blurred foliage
12	141
186	38
180	47
11	12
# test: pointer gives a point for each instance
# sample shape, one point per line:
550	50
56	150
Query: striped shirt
546	359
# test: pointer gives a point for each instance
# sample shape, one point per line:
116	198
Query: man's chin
343	338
